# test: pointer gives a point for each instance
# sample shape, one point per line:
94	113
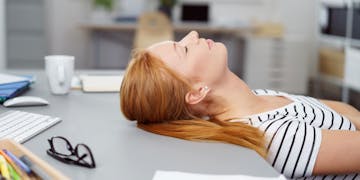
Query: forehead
160	45
165	50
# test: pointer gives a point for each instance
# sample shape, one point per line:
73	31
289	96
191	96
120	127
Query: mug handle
61	74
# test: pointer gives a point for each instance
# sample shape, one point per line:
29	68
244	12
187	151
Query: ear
195	96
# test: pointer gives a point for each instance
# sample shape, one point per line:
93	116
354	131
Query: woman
185	89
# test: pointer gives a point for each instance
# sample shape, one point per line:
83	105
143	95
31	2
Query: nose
191	37
194	34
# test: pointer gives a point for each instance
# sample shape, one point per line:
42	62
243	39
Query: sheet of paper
8	78
101	83
175	175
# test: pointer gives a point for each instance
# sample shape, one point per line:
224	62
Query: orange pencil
17	169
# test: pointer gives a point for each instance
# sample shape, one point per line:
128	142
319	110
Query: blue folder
11	90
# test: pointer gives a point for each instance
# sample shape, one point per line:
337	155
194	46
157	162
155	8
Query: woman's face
197	59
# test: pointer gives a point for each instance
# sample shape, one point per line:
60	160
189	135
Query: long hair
154	95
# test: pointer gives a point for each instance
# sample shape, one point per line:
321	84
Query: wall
64	32
2	35
299	18
26	42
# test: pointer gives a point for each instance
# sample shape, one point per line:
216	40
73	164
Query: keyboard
21	126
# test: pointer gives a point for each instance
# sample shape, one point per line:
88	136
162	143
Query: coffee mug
59	71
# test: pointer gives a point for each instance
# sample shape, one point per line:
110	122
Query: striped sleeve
293	146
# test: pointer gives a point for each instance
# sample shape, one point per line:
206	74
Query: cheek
198	66
208	67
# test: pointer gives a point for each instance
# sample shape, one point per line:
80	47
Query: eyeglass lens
83	152
61	146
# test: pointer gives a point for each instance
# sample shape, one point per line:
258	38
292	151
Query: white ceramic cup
59	71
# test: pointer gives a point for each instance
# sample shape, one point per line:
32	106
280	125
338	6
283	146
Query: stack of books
12	86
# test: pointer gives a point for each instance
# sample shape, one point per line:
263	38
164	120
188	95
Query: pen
4	168
34	168
13	166
18	162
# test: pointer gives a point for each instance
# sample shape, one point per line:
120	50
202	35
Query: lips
210	43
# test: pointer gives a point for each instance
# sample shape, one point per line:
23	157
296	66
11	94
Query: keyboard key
21	126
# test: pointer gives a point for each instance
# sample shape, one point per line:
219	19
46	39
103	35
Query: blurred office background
306	47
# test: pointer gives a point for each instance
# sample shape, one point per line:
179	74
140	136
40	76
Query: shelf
338	41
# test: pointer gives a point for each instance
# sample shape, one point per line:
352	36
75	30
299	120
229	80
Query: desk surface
178	27
121	149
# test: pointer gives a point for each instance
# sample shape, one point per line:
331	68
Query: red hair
154	95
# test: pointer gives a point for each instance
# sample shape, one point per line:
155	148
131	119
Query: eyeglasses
62	150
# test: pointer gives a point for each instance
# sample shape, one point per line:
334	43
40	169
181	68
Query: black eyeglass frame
66	158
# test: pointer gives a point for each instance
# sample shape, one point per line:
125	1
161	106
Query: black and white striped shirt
293	133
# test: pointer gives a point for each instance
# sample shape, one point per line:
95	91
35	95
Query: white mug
59	70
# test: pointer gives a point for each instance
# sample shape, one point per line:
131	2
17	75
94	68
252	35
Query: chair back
152	27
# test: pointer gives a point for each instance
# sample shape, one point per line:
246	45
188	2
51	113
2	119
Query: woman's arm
339	153
346	110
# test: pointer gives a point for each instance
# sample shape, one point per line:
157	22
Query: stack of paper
101	83
11	86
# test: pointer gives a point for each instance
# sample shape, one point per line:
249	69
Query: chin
223	51
222	48
220	44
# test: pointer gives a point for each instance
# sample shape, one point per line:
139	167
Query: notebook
8	78
101	83
11	90
11	86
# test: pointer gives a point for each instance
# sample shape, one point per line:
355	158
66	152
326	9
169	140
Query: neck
232	98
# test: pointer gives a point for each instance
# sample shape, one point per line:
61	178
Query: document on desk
8	78
101	83
175	175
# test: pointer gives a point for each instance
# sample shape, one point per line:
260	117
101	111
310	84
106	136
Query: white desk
123	151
